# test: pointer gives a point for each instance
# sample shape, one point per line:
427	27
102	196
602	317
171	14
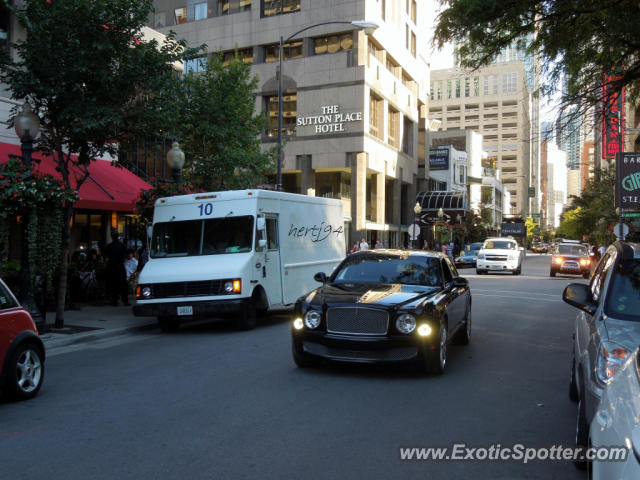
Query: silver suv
607	329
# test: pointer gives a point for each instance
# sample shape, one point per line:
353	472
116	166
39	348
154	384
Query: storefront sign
515	229
612	118
330	120
439	159
628	181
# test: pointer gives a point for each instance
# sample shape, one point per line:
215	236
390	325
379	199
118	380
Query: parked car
21	350
615	423
499	254
384	306
570	259
607	328
468	256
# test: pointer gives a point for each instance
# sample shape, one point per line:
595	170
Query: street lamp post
175	161
27	127
368	28
417	209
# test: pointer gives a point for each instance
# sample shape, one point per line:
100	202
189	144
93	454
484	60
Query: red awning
107	188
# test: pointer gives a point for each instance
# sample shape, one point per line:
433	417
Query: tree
532	229
87	73
572	225
581	40
219	131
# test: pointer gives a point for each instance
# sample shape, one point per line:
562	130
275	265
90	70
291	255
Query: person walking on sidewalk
116	276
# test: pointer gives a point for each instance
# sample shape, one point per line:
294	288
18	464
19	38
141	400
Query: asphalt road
210	402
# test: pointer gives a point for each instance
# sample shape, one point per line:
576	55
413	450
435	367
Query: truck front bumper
202	308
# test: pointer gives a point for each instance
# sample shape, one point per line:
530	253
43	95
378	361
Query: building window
289	114
195	65
462	177
180	15
375	116
431	90
449	89
467	87
225	7
485	83
414	11
160	20
476	86
413	44
394	127
244	54
394	68
407	136
383	9
333	44
290	50
457	88
509	82
439	90
200	11
279	7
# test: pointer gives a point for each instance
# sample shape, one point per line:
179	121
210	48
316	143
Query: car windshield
213	236
408	270
499	245
623	298
572	250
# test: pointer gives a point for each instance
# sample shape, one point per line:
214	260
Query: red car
21	350
572	259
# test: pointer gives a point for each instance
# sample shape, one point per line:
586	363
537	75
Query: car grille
390	355
187	289
497	258
357	321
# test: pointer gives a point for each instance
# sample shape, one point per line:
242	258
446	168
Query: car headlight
233	286
145	292
558	260
584	261
611	356
312	319
406	323
513	256
481	256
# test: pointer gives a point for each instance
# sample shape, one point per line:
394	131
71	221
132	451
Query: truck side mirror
262	243
261	224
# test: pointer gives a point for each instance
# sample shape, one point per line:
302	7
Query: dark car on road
384	306
469	256
607	328
21	350
570	259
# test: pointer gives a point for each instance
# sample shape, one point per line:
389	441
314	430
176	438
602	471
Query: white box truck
242	252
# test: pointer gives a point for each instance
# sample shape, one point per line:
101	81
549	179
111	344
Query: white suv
499	255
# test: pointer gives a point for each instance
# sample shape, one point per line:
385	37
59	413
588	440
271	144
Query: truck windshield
214	236
499	244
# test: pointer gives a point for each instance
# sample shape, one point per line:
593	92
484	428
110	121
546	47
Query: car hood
383	295
498	251
624	332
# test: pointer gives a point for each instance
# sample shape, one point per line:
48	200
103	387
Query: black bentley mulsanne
384	306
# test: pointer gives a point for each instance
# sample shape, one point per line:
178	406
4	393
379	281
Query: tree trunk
64	261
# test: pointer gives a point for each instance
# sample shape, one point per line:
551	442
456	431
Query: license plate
496	267
187	310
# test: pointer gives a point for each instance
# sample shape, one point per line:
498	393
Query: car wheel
582	433
248	316
26	371
552	273
479	272
437	360
573	387
463	335
168	323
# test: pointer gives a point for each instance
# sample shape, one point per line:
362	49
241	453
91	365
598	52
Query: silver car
607	329
616	424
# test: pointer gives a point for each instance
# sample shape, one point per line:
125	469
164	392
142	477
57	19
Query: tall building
554	184
495	102
354	104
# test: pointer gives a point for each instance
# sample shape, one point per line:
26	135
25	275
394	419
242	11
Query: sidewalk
92	323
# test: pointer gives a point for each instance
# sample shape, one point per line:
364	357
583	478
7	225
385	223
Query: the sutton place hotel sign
330	120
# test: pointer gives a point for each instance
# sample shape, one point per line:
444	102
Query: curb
66	340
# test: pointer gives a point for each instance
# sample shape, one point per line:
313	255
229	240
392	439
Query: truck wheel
168	323
248	315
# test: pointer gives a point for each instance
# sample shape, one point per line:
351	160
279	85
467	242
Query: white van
499	254
243	252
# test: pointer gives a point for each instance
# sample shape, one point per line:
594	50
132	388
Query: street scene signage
628	181
439	159
329	120
612	126
517	229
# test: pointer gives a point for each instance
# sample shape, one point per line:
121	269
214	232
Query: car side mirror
261	224
320	277
460	282
578	295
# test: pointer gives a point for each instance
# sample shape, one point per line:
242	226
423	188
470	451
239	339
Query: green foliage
147	198
580	39
532	229
219	131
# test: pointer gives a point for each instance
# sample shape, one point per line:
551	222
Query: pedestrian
379	244
116	276
444	248
602	250
363	244
355	247
130	268
595	253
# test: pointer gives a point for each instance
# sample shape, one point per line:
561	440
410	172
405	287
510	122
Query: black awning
433	201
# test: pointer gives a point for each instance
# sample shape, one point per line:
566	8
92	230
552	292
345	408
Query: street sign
625	231
631	214
628	181
535	215
414	231
532	192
